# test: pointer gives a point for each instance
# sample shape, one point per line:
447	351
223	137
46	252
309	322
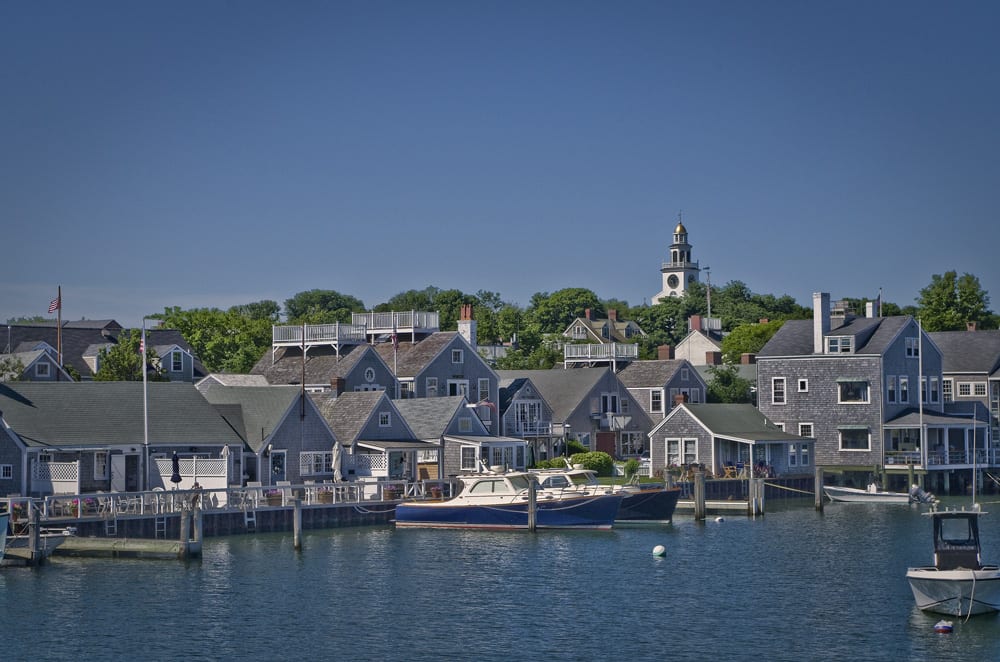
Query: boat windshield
584	478
519	482
957	531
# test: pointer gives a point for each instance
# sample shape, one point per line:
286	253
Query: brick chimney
613	315
694	323
713	358
586	314
467	325
748	359
337	386
680	399
665	352
970	326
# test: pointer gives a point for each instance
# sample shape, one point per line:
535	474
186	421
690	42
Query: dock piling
297	525
818	496
699	495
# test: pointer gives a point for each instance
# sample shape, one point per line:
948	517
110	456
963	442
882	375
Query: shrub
573	447
598	461
631	468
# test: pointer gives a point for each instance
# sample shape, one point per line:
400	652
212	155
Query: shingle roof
650	374
262	408
322	364
874	336
429	418
968	351
347	413
410	359
564	390
742	421
109	413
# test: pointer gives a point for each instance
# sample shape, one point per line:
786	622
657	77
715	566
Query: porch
594	354
410	323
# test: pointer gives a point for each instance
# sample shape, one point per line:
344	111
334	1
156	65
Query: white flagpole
145	409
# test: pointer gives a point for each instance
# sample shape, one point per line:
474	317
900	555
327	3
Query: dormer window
840	344
176	361
384	419
912	348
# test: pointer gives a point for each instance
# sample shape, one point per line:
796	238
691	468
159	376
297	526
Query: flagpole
59	329
145	410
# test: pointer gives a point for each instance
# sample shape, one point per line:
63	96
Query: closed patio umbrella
176	476
337	453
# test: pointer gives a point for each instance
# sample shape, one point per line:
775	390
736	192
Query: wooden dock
133	548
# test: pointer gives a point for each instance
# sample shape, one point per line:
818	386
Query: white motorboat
875	495
958	584
649	502
4	521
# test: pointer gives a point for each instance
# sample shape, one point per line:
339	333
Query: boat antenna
974	423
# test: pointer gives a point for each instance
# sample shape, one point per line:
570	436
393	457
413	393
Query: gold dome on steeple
680	229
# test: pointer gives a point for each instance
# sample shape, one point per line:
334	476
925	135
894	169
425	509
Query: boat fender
659	550
943	626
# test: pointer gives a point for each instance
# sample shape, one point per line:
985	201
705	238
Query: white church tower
679	272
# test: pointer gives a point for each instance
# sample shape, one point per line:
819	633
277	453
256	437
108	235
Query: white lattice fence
55	477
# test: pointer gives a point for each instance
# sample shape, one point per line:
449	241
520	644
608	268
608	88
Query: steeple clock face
672	281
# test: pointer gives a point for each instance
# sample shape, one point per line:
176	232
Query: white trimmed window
904	389
912	348
840	344
312	463
805	430
804	454
468	458
6	471
890	388
384	419
176	361
432	387
793	456
684	374
457	356
42	369
964	389
777	390
484	388
682	451
947	392
780	426
852	392
405	390
656	401
803	386
935	391
979	388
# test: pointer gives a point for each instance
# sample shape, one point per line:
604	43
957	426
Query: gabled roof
595	328
430	418
968	351
29	358
954	414
873	336
322	364
262	409
652	374
736	421
564	390
348	413
232	379
410	359
100	414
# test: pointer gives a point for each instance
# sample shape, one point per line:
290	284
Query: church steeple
680	271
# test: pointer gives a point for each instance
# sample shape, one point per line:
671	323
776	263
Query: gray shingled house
971	370
328	369
660	385
38	365
71	438
592	406
868	389
287	437
444	364
524	413
726	439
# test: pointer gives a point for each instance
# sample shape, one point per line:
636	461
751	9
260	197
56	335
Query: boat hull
648	505
956	592
4	521
849	494
588	512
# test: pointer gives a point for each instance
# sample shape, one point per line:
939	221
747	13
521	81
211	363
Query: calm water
793	585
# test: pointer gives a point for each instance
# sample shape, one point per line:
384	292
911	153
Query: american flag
142	343
55	304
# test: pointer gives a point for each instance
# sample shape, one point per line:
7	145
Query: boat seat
953	559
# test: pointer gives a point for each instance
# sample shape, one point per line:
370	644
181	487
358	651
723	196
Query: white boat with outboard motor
959	583
873	494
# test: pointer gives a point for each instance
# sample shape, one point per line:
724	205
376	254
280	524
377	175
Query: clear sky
214	153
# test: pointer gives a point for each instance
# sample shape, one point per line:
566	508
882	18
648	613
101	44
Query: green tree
122	361
748	339
552	313
321	307
225	341
27	321
950	301
11	369
726	385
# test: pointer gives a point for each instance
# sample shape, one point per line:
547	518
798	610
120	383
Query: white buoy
719	519
659	550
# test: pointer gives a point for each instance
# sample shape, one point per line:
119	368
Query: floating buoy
943	626
659	550
720	519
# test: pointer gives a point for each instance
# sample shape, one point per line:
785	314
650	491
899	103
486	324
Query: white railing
601	352
318	333
397	321
533	429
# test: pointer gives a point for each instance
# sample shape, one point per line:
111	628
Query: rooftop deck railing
405	320
600	352
318	334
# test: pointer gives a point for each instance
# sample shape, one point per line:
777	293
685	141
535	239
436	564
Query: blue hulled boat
502	501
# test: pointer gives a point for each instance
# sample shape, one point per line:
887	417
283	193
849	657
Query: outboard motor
918	495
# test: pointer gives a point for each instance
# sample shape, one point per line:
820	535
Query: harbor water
794	584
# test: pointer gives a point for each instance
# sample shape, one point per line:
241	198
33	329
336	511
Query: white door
118	473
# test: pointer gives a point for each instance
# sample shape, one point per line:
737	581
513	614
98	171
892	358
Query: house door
118	483
606	443
277	466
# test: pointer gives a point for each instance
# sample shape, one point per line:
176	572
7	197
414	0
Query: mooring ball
719	519
659	550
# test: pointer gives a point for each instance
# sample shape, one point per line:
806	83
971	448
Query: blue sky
215	153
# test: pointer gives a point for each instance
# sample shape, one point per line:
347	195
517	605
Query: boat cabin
956	539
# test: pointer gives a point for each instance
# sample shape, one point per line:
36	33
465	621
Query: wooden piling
699	495
818	495
34	535
297	524
532	504
185	537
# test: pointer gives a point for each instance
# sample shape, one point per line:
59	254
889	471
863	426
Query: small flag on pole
55	304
